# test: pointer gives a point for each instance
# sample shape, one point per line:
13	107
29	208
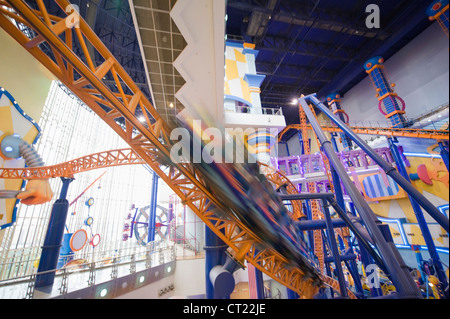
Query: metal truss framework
148	137
68	169
300	14
382	131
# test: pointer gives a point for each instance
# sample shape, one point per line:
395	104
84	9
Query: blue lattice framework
390	104
438	10
334	102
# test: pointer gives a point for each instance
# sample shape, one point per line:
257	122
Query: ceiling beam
411	17
299	13
290	71
307	48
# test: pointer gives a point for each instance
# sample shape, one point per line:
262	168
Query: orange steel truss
149	139
382	131
79	165
316	214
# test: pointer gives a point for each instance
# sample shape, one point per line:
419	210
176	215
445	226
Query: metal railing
85	273
256	110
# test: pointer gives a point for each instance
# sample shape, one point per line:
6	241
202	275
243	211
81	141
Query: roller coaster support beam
364	245
364	253
306	225
345	257
214	256
334	249
402	281
351	264
305	196
419	216
444	153
388	168
336	180
151	138
152	213
53	239
219	267
363	242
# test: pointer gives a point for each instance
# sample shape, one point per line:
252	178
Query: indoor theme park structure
125	180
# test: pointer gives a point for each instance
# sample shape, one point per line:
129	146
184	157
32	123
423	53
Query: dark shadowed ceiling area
319	46
305	46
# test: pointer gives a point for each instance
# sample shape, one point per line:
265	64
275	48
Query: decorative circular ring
90	202
78	240
89	221
95	240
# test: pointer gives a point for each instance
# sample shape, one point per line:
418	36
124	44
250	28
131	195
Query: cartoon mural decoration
390	203
18	132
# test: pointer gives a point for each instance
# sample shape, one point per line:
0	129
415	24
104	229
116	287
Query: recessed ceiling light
171	105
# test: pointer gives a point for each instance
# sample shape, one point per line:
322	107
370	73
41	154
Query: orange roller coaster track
149	138
382	131
79	165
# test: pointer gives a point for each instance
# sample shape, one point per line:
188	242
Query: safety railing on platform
424	124
307	164
256	110
83	273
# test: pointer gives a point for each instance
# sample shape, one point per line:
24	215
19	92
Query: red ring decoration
380	104
348	118
403	103
96	242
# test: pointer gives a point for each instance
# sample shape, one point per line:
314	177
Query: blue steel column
366	259
388	168
259	282
153	204
334	101
438	10
402	281
352	266
334	249
419	216
444	153
214	255
394	106
53	238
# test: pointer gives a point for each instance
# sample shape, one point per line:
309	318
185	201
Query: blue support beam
388	168
53	239
403	281
153	205
444	154
436	261
214	255
334	250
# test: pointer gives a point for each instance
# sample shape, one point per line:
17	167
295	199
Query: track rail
68	169
382	131
149	138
